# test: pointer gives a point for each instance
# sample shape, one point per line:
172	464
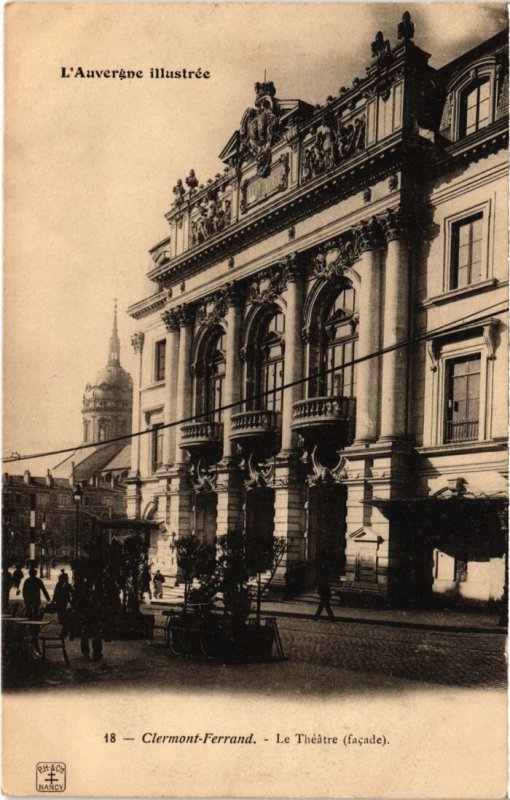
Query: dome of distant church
108	400
112	377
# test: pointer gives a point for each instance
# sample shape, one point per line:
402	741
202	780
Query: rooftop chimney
26	477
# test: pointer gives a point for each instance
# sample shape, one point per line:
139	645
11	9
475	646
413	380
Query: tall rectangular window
466	256
475	107
159	360
463	399
157	447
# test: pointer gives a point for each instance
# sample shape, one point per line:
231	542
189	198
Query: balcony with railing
256	431
202	439
319	419
461	430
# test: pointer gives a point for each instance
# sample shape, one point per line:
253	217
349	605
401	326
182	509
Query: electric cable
480	316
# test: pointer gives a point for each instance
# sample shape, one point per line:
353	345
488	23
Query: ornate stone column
293	349
289	512
180	491
229	485
133	496
233	366
396	328
171	365
369	235
183	399
137	343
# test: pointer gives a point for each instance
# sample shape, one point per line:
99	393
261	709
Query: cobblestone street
345	656
455	658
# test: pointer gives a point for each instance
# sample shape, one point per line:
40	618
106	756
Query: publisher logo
50	776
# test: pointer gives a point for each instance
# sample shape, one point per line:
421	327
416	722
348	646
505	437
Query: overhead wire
480	316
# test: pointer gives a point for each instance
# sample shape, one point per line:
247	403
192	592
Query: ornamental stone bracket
204	478
489	329
325	476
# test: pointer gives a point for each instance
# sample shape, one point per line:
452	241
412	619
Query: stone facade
357	254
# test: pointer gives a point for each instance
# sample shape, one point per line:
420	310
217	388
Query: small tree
233	578
106	581
196	559
264	554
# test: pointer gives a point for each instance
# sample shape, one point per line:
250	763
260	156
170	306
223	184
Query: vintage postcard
254	497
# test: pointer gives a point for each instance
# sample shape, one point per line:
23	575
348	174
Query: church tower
108	400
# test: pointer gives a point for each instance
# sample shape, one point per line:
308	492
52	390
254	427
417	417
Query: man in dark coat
324	592
32	589
6	588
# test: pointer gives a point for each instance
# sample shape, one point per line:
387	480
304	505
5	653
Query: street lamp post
77	496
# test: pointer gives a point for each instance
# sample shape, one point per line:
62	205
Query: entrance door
205	515
326	527
259	511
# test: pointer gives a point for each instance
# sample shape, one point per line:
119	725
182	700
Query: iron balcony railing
461	430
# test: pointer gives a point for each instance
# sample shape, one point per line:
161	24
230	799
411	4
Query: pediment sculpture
214	214
258	126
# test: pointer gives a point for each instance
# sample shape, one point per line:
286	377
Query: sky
90	164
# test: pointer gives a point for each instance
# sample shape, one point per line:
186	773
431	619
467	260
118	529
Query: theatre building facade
325	321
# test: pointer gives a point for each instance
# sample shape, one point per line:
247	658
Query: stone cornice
379	160
457	448
489	140
146	306
464	291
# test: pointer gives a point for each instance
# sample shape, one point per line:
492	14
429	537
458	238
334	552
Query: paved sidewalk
420	619
424	619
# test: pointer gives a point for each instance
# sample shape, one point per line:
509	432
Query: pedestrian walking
158	581
62	597
17	577
7	583
145	582
32	589
324	592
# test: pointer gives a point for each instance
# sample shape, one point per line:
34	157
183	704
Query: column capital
185	314
233	294
396	224
137	341
369	235
171	320
291	268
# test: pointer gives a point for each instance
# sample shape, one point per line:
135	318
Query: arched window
270	367
214	376
102	431
339	347
475	107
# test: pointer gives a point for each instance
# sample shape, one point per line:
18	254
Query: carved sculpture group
330	147
213	216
